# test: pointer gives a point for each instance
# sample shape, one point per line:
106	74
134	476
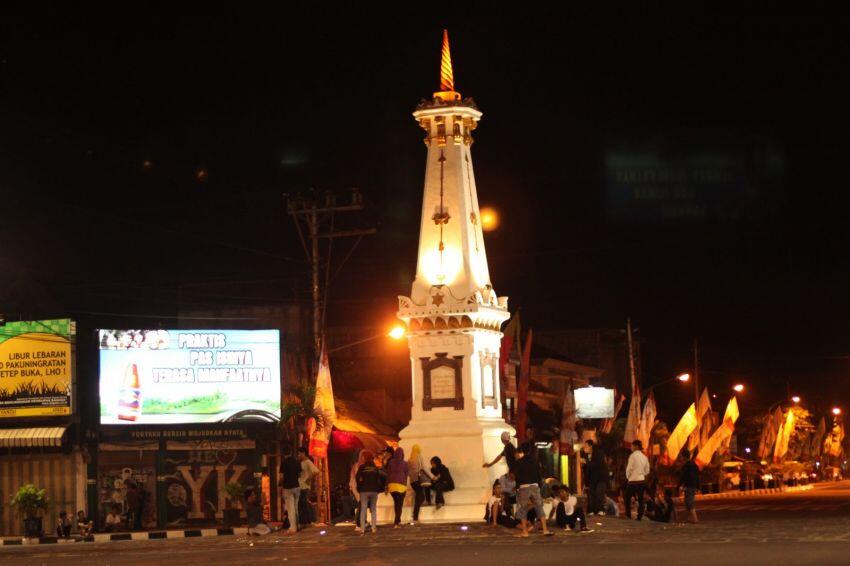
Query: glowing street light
684	377
397	332
739	387
489	219
836	411
795	398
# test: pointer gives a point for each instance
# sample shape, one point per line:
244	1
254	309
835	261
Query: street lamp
397	332
738	387
836	411
795	399
684	377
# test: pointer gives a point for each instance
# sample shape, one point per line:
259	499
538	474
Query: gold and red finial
447	81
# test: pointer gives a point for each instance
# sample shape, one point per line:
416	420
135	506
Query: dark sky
280	98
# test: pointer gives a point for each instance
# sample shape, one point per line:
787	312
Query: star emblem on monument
437	299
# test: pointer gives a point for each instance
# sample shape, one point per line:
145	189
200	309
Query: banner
633	419
522	389
817	439
723	433
188	376
36	368
325	410
784	436
703	407
680	434
647	421
568	435
608	424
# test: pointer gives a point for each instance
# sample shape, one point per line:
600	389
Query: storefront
38	422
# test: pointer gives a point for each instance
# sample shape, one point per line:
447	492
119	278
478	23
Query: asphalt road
811	527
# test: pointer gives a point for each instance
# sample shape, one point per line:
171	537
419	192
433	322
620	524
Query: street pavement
811	527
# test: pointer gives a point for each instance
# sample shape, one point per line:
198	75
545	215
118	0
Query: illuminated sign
188	376
594	403
36	368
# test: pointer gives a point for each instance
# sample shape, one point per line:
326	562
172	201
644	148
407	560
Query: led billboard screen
187	376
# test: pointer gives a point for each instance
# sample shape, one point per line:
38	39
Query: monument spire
447	80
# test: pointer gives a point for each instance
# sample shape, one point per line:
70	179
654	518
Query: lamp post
397	332
682	377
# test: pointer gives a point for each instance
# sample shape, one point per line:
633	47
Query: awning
37	436
344	441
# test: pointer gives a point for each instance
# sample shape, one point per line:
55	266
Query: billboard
36	368
187	376
594	403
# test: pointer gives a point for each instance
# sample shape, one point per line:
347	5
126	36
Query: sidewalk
112	537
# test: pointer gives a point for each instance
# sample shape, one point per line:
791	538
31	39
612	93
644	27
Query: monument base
463	445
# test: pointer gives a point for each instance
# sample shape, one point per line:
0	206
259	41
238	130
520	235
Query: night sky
146	149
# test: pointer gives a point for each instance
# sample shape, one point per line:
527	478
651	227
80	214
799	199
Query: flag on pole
723	433
768	437
832	446
608	424
680	434
510	340
568	423
522	389
632	431
707	426
784	436
647	421
324	408
817	439
703	407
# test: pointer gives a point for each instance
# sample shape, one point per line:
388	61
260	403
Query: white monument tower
453	315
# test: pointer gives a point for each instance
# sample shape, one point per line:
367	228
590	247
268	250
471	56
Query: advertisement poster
188	376
594	403
36	368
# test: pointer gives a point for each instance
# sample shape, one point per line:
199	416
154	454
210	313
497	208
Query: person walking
370	482
397	471
637	470
597	478
420	480
527	471
442	482
689	479
290	470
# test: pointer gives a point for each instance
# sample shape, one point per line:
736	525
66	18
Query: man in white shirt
305	482
637	469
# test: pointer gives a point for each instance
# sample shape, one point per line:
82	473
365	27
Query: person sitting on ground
568	513
254	513
84	524
611	508
442	481
508	492
660	509
63	525
496	513
113	521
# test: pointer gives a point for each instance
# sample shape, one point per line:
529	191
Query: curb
763	491
112	537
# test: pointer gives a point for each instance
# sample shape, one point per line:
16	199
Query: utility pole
314	213
696	373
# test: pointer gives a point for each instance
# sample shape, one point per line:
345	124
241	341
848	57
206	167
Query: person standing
134	503
689	479
352	485
290	470
420	480
597	478
397	471
527	471
508	453
443	481
305	481
370	482
637	470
